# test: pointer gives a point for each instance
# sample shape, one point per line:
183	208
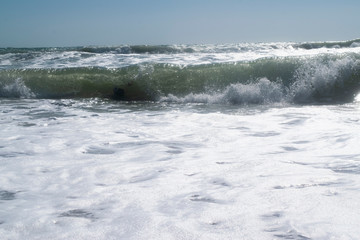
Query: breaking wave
320	78
183	48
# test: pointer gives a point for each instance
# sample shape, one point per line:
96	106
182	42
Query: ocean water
233	141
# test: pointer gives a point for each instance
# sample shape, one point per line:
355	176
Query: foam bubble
324	79
357	98
262	91
16	89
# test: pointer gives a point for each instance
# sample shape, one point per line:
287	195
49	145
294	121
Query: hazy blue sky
35	23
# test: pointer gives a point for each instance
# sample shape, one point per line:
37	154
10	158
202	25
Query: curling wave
322	78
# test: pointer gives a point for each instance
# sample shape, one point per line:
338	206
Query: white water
93	169
204	54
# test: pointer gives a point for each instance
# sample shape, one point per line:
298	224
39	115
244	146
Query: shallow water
233	141
100	169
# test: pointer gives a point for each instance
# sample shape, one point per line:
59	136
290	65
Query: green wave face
148	81
297	79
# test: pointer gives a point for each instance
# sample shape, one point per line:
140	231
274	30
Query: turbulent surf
233	73
232	141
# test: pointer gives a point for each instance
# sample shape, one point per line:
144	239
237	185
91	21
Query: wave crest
323	78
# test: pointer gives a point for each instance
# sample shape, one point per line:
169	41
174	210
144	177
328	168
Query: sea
226	141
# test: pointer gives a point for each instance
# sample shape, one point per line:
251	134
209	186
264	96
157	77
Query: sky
60	23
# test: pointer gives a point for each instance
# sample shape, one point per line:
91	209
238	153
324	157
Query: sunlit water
100	169
234	141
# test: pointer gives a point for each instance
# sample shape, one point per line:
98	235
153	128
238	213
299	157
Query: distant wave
139	49
321	78
183	48
339	44
125	49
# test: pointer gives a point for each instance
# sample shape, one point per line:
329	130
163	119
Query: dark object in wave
118	94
